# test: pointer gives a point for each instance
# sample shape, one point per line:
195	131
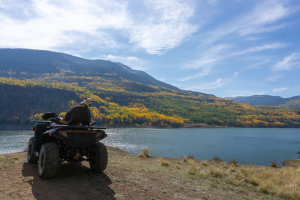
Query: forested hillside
126	103
33	82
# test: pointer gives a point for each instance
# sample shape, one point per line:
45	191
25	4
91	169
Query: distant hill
292	102
24	63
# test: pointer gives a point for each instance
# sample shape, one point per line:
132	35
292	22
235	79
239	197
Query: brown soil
126	177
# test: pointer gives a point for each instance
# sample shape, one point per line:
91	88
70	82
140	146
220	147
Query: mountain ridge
43	61
291	102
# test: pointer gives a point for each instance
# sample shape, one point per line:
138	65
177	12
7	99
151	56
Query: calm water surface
246	145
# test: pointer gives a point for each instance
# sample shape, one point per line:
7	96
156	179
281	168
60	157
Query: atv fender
47	136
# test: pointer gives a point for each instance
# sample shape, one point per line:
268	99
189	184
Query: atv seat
78	115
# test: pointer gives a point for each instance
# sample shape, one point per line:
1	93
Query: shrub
216	172
145	153
233	162
165	163
192	170
185	159
191	161
217	159
191	157
274	164
2	158
204	163
177	166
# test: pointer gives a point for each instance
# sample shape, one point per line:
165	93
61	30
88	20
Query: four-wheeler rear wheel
48	160
98	157
31	157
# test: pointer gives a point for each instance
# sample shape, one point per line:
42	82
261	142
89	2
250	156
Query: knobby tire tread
31	157
101	158
51	160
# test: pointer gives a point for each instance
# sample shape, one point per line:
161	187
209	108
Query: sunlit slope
119	102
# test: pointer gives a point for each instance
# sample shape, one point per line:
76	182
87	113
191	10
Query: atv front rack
76	127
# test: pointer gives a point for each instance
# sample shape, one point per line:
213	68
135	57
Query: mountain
33	82
23	63
292	102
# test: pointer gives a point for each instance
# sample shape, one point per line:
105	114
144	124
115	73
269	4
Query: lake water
246	145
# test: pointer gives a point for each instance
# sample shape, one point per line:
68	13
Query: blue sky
223	47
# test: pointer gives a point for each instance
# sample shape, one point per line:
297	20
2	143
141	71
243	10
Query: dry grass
204	163
192	170
216	172
6	162
185	159
145	153
283	182
165	163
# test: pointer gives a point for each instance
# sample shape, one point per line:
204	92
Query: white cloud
290	62
53	25
259	48
122	58
84	25
236	93
261	19
214	85
167	27
218	53
280	89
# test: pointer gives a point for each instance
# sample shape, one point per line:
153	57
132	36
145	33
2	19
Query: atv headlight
64	134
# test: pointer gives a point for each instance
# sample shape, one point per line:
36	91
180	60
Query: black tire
48	160
31	157
98	158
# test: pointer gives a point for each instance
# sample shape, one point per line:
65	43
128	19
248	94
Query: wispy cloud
262	18
280	89
220	52
216	84
166	28
258	49
290	62
236	93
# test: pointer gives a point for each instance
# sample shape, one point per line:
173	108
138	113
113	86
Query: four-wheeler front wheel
98	157
31	157
48	160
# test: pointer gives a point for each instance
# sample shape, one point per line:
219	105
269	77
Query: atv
71	140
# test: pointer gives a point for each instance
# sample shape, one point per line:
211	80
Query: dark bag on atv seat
79	114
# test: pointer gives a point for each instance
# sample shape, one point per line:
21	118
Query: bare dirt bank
128	177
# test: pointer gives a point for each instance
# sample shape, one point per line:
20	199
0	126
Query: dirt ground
126	177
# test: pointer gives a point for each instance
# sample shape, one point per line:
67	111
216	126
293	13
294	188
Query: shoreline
129	176
29	126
